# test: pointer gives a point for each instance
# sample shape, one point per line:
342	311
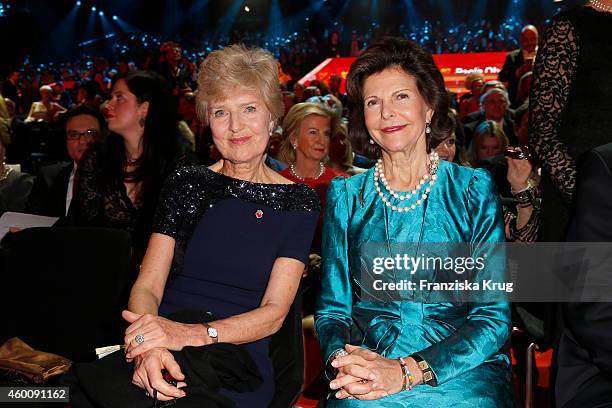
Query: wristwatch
429	377
212	332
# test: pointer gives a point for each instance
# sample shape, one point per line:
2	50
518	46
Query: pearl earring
427	128
371	141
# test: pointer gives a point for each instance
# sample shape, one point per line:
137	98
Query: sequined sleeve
553	76
171	207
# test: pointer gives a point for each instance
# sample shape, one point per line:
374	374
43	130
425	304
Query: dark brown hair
411	58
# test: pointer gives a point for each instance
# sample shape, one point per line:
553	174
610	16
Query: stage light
93	8
115	18
78	3
101	14
247	9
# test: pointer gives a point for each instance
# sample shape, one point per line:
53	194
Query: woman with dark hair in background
119	183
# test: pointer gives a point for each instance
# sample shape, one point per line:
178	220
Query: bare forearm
143	301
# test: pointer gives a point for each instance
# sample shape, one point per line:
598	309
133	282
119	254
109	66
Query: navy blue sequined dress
228	234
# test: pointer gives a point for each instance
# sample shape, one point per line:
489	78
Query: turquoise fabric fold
462	342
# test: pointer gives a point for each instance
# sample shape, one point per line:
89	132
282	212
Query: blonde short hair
238	66
293	120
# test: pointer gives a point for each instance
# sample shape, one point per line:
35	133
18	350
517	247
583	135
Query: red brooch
259	214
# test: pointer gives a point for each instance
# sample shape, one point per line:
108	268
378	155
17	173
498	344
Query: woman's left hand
384	375
157	332
519	171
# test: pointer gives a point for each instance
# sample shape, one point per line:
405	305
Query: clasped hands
152	355
366	375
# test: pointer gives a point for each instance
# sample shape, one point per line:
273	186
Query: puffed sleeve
487	325
297	244
335	303
553	78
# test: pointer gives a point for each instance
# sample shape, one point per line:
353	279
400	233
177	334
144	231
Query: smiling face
395	112
240	125
123	112
312	138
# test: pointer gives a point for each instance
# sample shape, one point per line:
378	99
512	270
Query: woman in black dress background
570	104
232	238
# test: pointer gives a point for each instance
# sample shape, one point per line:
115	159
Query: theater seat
63	289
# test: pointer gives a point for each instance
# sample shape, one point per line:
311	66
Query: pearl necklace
321	171
5	173
430	177
601	6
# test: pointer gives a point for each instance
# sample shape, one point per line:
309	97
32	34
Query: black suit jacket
514	60
584	376
48	195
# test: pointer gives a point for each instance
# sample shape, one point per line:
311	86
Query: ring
364	381
139	339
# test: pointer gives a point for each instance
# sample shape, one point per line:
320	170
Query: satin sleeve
487	325
335	303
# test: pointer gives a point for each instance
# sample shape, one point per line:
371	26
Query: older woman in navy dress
231	239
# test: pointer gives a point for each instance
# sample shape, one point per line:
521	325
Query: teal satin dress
462	342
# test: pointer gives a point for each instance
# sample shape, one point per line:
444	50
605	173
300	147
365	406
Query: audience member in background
171	68
470	102
494	106
289	99
519	62
46	109
335	83
341	153
298	90
523	91
307	130
90	94
493	83
120	181
309	92
487	151
5	120
15	186
54	186
10	86
570	105
584	377
521	124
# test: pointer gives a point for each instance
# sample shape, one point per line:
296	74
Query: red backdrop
454	67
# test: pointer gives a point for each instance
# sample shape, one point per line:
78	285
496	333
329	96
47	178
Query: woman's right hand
148	374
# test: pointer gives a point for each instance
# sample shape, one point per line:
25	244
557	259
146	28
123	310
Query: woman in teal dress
407	353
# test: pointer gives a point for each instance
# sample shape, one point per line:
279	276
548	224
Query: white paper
23	221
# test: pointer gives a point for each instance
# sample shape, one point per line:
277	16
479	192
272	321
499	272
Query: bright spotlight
247	8
101	13
115	18
78	3
93	8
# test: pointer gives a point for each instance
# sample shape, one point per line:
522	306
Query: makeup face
395	112
240	125
312	139
123	112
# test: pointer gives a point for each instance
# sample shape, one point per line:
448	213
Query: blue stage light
101	14
78	3
115	18
93	8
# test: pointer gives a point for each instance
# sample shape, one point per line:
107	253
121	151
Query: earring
294	146
427	128
141	122
371	141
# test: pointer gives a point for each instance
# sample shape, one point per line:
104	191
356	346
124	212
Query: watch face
212	332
